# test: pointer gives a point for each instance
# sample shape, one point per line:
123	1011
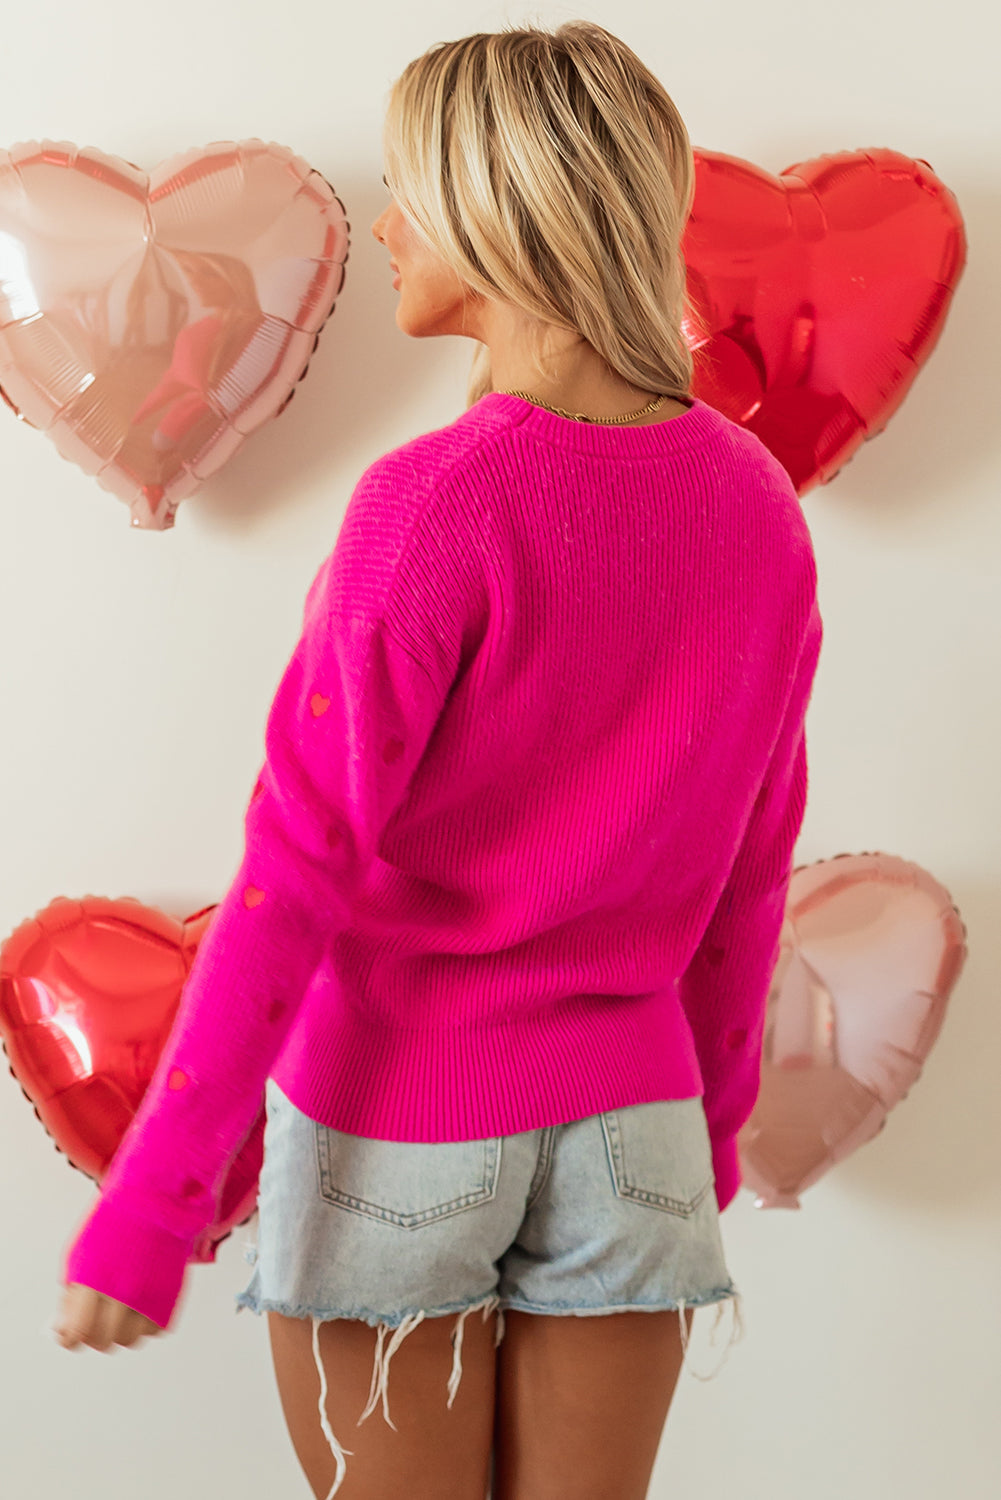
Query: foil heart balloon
88	992
150	322
817	295
870	950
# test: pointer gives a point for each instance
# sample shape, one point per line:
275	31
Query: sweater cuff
129	1258
727	1171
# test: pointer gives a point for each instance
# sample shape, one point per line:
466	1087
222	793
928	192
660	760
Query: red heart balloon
820	292
150	323
88	993
871	948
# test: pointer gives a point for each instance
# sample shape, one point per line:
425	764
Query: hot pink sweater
520	847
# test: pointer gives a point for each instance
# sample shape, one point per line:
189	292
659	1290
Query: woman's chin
415	328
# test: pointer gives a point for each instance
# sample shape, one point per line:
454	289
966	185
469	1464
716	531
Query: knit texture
520	847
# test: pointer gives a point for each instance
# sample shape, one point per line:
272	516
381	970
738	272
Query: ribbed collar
687	430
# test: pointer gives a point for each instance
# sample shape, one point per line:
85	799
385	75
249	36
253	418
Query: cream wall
136	669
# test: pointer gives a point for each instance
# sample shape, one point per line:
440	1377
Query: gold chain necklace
578	416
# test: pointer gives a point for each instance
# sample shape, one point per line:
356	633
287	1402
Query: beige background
136	670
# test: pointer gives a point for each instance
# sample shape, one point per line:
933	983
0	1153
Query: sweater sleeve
350	721
725	988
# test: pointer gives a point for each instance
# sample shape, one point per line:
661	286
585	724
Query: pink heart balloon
150	322
871	949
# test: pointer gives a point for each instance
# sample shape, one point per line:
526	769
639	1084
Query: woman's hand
89	1317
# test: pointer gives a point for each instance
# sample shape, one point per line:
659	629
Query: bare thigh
573	1407
437	1453
581	1403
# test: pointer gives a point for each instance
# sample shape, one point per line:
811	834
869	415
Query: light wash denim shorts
612	1213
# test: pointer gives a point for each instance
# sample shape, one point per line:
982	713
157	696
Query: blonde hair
553	171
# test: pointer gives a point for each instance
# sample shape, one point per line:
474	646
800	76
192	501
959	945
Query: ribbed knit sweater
520	847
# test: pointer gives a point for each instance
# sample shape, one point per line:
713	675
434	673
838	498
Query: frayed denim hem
380	1374
406	1322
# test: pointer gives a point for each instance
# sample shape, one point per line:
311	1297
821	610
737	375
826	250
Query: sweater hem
587	1054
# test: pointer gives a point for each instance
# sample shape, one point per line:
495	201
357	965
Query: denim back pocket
660	1154
409	1183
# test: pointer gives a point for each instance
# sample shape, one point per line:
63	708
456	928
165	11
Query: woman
516	863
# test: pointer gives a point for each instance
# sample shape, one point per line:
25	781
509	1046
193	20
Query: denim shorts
612	1213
